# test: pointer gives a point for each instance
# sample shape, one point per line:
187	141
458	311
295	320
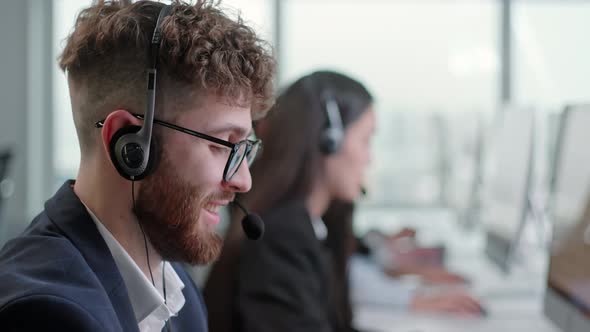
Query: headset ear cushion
330	141
153	157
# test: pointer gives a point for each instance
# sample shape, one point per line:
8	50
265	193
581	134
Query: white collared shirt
319	228
151	311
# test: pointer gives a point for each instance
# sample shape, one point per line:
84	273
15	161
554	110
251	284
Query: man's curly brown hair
203	51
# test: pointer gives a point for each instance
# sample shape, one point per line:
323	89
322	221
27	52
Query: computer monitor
463	140
406	172
567	300
507	180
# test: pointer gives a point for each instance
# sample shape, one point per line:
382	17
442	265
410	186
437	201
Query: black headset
133	150
132	147
333	133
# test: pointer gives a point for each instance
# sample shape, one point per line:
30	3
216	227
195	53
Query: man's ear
113	123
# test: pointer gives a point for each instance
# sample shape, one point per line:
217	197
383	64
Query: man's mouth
214	207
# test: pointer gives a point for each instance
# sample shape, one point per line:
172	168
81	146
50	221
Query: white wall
13	101
25	111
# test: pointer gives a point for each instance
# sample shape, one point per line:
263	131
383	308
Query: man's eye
217	148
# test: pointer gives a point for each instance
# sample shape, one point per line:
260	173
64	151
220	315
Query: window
551	52
418	58
67	152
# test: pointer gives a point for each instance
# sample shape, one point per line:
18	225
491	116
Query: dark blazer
282	281
59	275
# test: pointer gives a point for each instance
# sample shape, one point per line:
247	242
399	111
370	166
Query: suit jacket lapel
68	213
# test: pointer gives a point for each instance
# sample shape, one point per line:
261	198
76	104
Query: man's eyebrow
231	128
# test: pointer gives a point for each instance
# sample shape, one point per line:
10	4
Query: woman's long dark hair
341	243
291	157
289	165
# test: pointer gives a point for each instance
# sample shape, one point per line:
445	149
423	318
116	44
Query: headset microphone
252	224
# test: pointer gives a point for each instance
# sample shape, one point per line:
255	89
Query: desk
380	319
514	301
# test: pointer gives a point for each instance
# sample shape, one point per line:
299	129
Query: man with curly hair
104	254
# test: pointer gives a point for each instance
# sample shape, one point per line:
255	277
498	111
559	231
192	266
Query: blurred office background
441	70
447	76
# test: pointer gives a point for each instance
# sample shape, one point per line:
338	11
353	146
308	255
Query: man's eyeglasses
243	149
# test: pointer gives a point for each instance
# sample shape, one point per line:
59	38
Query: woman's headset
333	133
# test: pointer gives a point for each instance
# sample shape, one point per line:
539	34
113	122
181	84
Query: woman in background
316	152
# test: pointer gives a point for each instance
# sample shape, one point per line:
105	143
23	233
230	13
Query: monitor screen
463	146
506	183
569	268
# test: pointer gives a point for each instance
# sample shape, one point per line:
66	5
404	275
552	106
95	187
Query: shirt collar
148	303
319	228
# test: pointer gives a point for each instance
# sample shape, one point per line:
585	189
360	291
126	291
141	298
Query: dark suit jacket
59	275
284	279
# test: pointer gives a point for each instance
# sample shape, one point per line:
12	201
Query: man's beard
168	210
